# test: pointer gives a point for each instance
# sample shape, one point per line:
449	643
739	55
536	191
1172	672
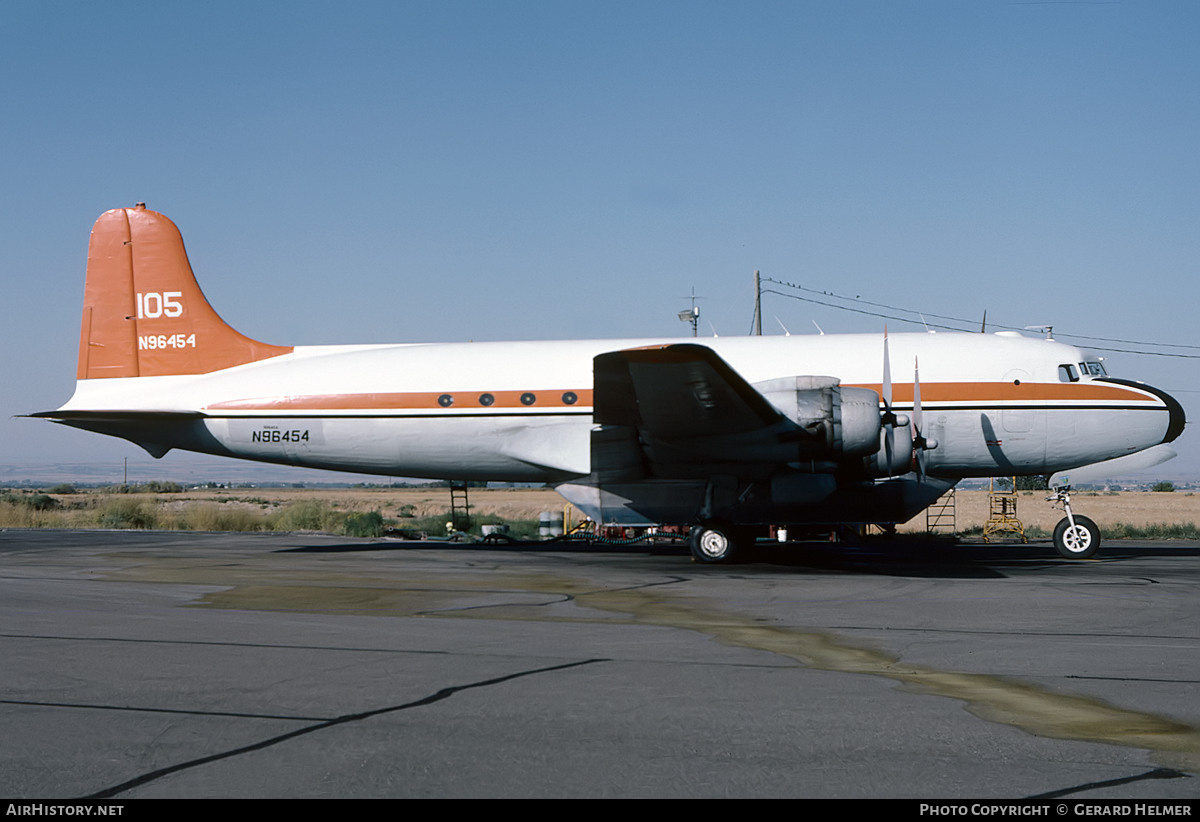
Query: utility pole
757	305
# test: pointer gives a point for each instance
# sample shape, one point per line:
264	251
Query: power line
964	322
861	310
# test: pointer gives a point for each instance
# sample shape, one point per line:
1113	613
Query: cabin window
1066	373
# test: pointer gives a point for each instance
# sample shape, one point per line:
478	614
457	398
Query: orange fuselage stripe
939	393
982	392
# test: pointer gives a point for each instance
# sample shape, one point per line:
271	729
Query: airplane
725	436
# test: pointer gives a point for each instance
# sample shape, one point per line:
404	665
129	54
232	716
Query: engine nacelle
839	422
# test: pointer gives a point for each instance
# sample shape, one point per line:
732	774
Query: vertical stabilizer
143	312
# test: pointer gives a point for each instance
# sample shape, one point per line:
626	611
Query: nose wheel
1076	540
1075	537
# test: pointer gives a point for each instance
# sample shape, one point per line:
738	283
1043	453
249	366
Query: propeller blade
889	418
917	421
887	374
921	443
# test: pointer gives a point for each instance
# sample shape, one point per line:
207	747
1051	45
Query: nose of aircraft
1176	418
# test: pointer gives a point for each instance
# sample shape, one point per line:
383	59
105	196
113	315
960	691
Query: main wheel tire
715	541
1078	542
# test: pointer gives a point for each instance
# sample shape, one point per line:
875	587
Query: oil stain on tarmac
503	595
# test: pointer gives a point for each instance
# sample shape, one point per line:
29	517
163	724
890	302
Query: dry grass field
254	509
1129	507
516	503
1137	508
323	508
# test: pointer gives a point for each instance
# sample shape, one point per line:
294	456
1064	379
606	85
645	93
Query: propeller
891	420
920	443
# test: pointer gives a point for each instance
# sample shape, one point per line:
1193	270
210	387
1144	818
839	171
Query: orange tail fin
143	312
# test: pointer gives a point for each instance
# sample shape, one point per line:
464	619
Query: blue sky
390	172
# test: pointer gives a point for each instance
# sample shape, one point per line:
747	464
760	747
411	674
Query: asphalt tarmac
163	664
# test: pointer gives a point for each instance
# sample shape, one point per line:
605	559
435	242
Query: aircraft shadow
937	558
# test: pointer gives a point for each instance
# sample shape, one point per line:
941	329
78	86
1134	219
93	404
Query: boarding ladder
460	507
941	517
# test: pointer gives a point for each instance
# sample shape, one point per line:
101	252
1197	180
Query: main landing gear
718	540
1075	536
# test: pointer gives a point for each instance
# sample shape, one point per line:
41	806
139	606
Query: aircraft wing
692	413
677	391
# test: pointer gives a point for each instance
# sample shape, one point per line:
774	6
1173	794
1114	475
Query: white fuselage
522	411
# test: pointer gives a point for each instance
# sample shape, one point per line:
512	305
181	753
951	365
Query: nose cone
1177	420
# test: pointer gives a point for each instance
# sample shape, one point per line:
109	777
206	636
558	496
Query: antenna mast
691	315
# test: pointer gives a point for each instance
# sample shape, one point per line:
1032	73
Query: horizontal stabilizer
116	416
157	432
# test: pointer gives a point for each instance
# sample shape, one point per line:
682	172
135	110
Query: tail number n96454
152	341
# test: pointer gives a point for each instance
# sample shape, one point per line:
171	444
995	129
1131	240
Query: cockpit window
1093	369
1066	373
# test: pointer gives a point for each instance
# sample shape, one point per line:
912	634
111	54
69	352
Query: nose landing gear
1075	536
